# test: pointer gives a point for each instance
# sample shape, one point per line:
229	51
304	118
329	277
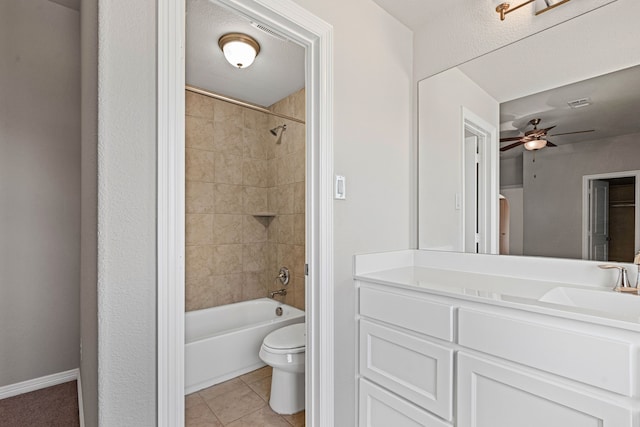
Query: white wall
127	212
373	149
440	134
39	189
89	213
373	95
553	190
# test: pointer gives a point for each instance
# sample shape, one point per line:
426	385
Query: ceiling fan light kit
535	139
535	144
543	5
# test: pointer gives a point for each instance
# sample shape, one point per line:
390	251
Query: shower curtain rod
240	103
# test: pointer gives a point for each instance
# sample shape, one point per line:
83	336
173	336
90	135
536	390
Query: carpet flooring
55	406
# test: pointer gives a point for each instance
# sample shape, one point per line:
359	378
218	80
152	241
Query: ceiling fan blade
550	144
510	146
535	133
571	133
515	138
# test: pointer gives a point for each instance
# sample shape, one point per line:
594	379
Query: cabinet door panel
495	395
379	408
409	312
574	355
418	370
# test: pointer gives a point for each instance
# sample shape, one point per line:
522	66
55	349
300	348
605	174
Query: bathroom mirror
464	112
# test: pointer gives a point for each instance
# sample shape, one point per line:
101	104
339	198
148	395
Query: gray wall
126	212
39	189
89	206
511	171
553	199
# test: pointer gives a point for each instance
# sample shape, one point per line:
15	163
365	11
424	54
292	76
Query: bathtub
223	342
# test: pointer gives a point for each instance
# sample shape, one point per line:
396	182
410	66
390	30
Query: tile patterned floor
240	402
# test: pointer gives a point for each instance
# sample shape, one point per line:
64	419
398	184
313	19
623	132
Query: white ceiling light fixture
240	50
535	144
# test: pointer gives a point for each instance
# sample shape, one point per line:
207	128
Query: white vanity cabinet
406	359
501	394
431	359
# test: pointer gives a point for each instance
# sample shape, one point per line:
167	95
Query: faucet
622	283
282	292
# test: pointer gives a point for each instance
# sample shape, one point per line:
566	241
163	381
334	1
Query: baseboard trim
80	404
40	383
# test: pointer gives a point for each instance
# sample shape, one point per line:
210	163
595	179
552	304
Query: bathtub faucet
282	292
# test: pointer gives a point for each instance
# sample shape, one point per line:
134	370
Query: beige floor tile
296	420
265	417
262	388
257	375
192	399
220	389
236	404
200	415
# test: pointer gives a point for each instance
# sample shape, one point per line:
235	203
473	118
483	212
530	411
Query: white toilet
284	350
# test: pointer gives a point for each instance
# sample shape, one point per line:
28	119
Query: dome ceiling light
240	50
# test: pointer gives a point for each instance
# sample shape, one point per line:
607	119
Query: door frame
317	37
586	206
489	193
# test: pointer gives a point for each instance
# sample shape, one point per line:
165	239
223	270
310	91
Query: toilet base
287	392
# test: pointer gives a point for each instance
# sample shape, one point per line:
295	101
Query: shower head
275	130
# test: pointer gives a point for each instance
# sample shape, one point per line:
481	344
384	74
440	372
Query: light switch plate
341	187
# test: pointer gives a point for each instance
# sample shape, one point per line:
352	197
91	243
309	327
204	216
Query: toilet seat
288	339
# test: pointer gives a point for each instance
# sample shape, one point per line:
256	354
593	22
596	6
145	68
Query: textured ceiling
278	71
614	109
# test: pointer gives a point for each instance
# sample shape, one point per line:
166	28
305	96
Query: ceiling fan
535	138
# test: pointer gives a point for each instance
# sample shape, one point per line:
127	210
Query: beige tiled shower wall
234	170
287	196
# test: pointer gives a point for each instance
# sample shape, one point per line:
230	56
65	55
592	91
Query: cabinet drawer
380	408
410	312
594	360
505	395
418	370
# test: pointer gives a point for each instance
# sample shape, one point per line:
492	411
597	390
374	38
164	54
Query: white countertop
512	292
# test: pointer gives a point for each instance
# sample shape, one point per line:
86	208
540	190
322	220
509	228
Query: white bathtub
223	342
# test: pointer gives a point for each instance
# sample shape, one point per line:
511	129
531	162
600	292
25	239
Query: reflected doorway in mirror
610	216
480	223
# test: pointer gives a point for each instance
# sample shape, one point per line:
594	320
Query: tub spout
282	292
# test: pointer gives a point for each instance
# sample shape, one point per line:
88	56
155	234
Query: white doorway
316	36
480	199
610	216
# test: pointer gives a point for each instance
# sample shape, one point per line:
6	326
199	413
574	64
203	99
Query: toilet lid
287	338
